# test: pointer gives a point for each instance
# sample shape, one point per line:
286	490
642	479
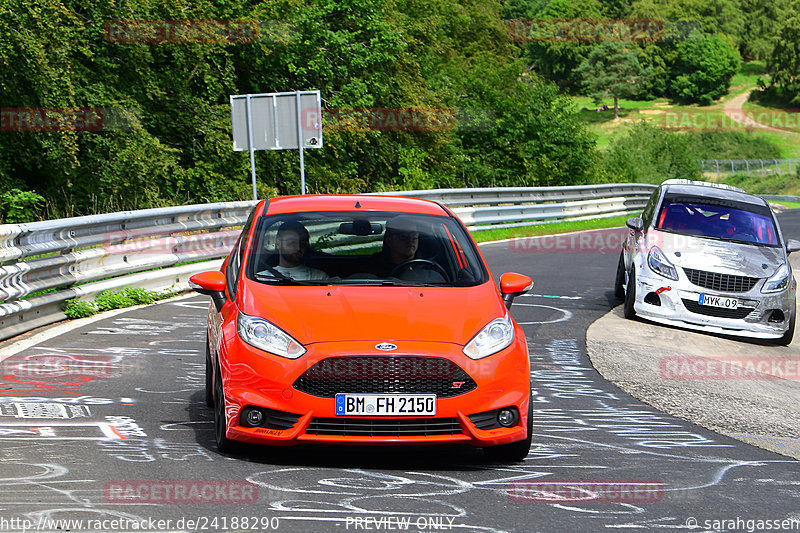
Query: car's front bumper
255	378
675	297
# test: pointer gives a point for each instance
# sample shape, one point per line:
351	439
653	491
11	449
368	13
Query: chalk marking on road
71	325
552	296
567	315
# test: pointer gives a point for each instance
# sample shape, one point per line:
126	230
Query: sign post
277	121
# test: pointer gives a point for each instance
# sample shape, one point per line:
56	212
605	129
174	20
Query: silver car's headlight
496	335
778	281
659	264
266	336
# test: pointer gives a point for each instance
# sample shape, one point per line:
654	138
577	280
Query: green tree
762	20
703	68
612	69
784	62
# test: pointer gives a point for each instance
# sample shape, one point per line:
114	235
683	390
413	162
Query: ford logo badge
386	346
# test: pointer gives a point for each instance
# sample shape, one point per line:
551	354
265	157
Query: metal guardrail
159	249
507	207
83	256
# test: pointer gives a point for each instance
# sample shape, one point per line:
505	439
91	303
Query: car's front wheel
209	377
516	451
630	296
619	283
224	444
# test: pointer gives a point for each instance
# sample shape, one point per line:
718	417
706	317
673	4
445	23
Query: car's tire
209	377
619	283
516	451
630	296
786	340
224	445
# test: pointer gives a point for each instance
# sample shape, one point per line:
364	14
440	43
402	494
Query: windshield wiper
273	276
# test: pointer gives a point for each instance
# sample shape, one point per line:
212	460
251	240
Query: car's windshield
718	219
358	248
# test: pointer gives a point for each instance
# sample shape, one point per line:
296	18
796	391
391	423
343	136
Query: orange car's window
364	248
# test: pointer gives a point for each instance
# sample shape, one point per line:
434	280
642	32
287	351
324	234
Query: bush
79	309
648	154
731	145
18	206
126	297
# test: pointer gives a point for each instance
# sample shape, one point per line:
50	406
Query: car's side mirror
792	245
513	285
635	223
211	284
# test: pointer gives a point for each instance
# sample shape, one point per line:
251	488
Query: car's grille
383	374
370	427
720	282
694	307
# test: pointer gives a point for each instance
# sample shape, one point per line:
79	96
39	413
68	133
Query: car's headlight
778	281
659	264
266	336
495	336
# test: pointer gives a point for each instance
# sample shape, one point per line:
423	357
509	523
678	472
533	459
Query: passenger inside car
292	245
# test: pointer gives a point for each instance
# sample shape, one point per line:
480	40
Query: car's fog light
507	417
254	417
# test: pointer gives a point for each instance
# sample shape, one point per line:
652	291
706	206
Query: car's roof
352	202
712	190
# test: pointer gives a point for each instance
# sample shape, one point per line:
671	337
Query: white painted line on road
69	325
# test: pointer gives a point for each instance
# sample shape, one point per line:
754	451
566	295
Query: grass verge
549	229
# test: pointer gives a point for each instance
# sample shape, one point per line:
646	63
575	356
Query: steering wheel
406	265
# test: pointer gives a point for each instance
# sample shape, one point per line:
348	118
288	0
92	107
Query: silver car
709	257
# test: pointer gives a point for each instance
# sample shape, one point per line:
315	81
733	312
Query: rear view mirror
635	223
360	227
211	284
513	285
792	245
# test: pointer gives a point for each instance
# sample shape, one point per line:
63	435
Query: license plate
718	301
385	404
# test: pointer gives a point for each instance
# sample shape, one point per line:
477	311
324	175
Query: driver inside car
400	246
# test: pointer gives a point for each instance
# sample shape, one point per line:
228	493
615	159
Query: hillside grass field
673	116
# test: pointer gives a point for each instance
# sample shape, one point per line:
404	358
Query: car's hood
347	313
724	257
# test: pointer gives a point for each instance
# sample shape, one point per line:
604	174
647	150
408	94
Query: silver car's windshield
724	220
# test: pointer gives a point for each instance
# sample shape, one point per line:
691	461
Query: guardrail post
762	166
732	170
747	163
776	167
717	163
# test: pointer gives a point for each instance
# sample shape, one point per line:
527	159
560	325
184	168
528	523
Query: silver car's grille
720	282
738	313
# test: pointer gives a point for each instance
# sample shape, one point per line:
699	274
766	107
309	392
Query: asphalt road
128	417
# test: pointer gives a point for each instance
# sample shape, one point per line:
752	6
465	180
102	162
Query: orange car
364	320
